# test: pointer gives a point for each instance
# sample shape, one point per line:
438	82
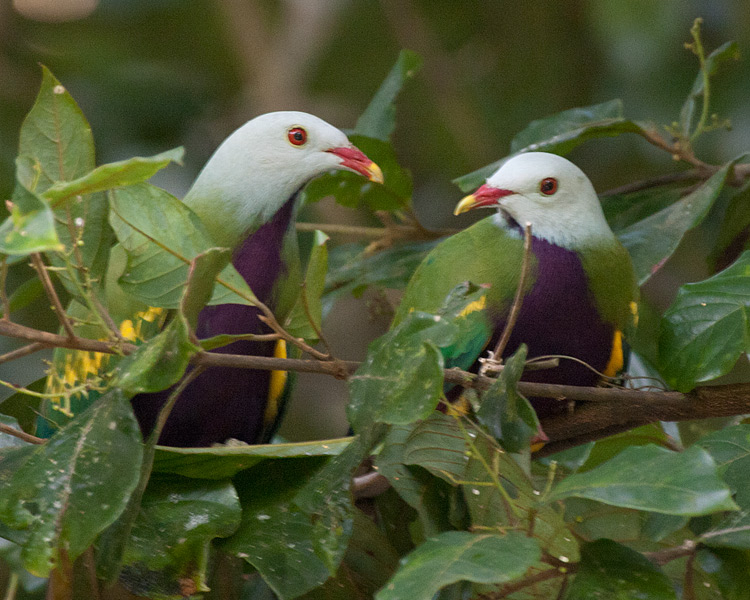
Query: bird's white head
262	164
547	191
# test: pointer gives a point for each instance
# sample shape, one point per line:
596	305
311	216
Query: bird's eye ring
548	186
297	136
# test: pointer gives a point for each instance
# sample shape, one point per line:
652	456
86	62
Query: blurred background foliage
154	74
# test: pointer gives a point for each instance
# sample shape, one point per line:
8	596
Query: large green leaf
379	118
610	570
654	239
226	461
162	236
74	486
56	137
559	134
30	226
401	379
56	145
168	550
112	175
707	327
275	535
461	556
655	479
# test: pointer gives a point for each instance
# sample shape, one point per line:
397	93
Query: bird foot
490	366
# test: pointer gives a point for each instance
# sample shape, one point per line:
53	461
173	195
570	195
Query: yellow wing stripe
616	359
276	385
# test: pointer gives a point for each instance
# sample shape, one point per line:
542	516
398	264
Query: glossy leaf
87	469
653	240
707	327
461	556
168	550
504	411
624	210
610	570
401	380
655	479
162	236
379	118
275	535
309	305
113	175
30	226
226	461
559	134
730	448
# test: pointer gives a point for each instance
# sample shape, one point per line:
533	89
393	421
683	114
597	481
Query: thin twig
394	231
22	351
311	320
21	435
38	263
515	309
3	291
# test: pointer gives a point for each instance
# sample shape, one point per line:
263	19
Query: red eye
548	186
297	136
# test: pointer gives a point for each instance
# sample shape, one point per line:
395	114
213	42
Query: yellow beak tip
375	173
464	205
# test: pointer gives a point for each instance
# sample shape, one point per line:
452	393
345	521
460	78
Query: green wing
486	254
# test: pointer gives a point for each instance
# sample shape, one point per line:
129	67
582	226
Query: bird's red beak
483	197
354	159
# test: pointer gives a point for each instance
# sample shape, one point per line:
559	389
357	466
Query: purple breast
558	316
225	403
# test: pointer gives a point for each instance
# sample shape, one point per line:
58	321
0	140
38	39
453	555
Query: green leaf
559	134
162	236
30	226
401	379
204	269
653	240
379	118
352	271
461	556
25	294
655	479
352	190
275	535
169	542
89	468
504	411
309	304
158	363
707	327
221	462
610	570
113	175
730	448
436	444
624	210
56	145
56	137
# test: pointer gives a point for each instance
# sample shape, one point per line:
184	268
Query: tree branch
605	410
